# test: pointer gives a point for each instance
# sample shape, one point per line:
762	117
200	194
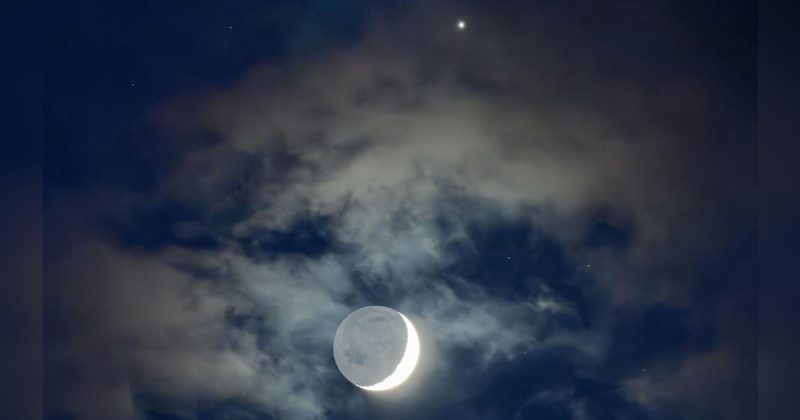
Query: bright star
461	25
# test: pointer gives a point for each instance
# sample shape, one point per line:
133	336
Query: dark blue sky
561	197
108	63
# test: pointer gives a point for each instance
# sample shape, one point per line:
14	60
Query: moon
376	348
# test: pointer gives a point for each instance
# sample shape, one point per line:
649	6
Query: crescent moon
406	365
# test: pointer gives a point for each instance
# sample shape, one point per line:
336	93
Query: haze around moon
376	348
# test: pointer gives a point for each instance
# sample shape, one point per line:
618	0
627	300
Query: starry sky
560	195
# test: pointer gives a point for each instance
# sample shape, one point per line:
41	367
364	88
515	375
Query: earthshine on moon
376	348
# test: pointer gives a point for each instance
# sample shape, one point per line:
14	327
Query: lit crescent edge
407	363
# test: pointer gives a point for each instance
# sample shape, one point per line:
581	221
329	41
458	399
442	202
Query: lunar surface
376	348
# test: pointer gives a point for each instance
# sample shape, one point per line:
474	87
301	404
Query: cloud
463	185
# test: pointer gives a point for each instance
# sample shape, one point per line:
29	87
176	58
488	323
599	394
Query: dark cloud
559	198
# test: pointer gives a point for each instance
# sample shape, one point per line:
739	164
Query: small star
230	27
508	258
133	84
588	266
461	25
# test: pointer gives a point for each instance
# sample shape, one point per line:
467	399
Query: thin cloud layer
524	219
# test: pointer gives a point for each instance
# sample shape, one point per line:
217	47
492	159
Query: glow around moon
376	348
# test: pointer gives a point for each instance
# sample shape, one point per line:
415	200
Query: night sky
561	196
